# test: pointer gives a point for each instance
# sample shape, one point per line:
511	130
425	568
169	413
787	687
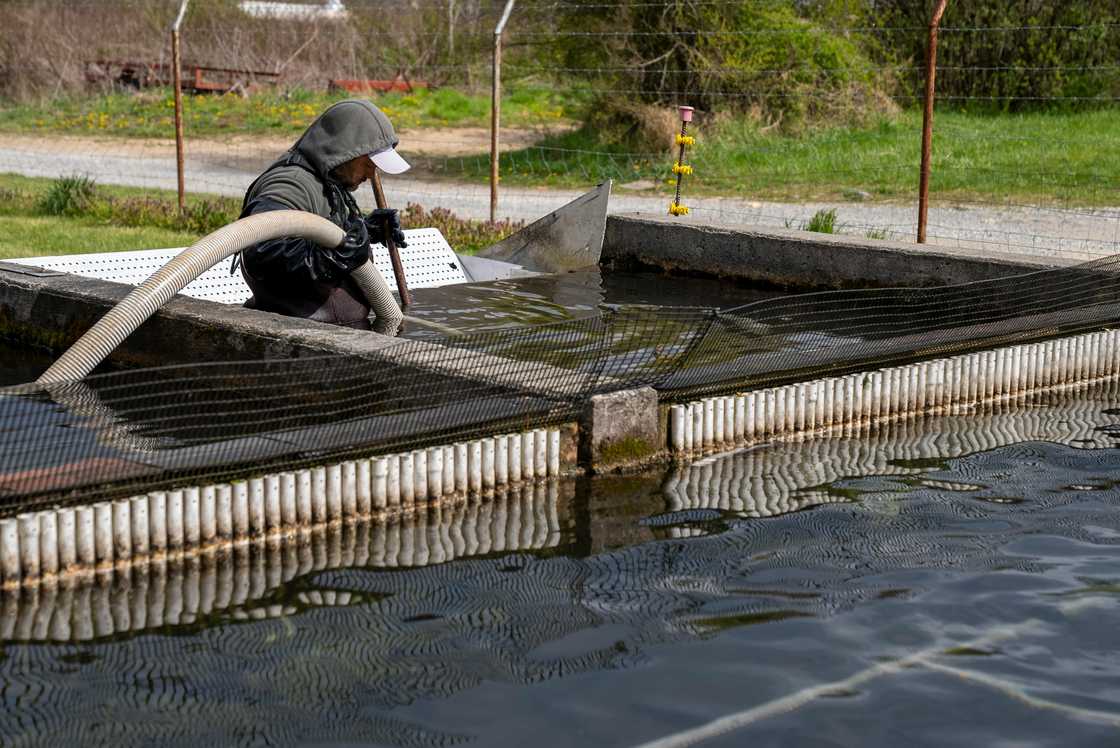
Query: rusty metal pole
927	121
495	109
394	253
176	65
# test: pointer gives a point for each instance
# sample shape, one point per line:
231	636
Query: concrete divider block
621	430
407	481
514	441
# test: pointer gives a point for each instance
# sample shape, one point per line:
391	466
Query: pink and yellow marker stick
680	168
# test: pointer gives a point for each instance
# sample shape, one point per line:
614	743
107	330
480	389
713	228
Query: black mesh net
116	433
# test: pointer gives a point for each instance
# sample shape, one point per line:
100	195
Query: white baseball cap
389	161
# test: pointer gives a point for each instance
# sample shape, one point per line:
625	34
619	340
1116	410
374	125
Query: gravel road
228	168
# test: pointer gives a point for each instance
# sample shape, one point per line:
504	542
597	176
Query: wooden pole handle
394	254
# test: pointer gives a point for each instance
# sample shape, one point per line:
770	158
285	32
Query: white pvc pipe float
514	441
141	529
852	403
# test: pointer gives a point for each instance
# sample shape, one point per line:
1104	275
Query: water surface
19	364
954	580
497	305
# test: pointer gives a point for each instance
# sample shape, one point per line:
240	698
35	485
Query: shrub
823	222
69	196
210	215
462	234
777	56
77	196
1010	54
644	127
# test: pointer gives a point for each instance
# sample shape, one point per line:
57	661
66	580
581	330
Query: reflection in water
792	475
240	583
22	364
518	302
594	612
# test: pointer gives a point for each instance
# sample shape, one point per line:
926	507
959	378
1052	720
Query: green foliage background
1038	51
827	59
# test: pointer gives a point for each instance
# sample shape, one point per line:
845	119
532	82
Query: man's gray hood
348	129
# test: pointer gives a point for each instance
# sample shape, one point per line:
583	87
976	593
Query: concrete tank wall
798	259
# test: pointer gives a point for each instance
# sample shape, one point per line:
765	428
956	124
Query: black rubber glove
353	252
382	220
335	264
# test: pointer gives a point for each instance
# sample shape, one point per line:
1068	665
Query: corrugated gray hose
101	339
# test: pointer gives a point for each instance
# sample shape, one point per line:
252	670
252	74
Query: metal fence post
495	109
927	121
178	83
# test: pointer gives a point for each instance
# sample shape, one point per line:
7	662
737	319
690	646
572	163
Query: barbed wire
836	95
799	31
805	66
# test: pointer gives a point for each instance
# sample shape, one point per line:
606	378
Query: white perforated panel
133	268
428	262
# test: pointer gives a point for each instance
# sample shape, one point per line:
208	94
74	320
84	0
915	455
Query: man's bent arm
288	256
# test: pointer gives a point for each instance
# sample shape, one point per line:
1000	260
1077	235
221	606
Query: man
334	156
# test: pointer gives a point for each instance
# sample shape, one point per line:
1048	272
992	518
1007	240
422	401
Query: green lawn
35	236
1047	157
120	218
151	113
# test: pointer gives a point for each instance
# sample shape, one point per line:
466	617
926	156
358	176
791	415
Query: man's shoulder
293	186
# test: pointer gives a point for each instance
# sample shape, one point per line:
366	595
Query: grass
68	196
1047	158
73	215
150	114
35	236
1050	158
822	222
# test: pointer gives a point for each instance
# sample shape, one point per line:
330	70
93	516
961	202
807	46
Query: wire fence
111	433
1026	168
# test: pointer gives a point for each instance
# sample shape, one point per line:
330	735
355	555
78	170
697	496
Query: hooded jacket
294	276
